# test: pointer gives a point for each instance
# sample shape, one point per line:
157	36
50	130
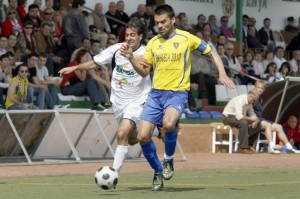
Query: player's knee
142	139
122	135
168	126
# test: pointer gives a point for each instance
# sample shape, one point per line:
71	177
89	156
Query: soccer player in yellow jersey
169	55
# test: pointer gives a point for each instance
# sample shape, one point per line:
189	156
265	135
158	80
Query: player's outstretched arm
84	66
223	78
140	64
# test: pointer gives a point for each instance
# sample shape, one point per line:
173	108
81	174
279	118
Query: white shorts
132	112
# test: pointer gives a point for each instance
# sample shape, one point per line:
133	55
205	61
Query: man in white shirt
239	113
295	60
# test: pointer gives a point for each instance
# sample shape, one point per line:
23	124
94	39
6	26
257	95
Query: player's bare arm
84	66
140	65
223	78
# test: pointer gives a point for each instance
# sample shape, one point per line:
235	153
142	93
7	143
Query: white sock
166	157
289	146
120	155
155	132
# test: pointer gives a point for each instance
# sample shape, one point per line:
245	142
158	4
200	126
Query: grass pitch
219	184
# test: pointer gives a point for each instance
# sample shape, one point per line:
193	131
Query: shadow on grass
166	189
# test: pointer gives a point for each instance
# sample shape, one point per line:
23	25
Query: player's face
252	99
165	24
132	37
292	122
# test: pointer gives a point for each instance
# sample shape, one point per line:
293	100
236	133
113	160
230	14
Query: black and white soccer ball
106	178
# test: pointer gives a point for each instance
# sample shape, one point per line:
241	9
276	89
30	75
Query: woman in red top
21	9
12	25
77	83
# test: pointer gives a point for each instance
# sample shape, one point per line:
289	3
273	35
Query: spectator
115	26
284	70
95	48
269	55
201	19
245	29
75	26
85	44
49	5
229	32
251	40
5	75
222	39
33	16
294	62
45	43
11	25
212	20
279	56
51	97
294	43
123	16
99	20
292	130
27	42
34	87
11	43
39	4
3	11
290	27
252	22
3	44
17	91
258	65
266	35
270	75
77	84
184	24
57	27
22	4
239	113
248	69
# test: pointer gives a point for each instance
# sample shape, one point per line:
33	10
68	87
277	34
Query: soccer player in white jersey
129	89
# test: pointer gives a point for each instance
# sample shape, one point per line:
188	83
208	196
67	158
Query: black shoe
158	182
98	107
168	169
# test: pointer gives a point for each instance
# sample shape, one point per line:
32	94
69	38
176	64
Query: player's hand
225	80
142	61
67	70
126	51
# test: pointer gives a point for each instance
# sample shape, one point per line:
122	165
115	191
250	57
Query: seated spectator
95	47
3	44
51	97
77	83
22	4
11	25
279	56
266	35
248	69
115	27
258	65
206	36
292	130
284	70
184	24
33	16
27	42
252	40
201	19
229	32
290	27
239	113
17	91
85	44
212	20
35	89
5	76
3	10
269	55
294	43
294	62
268	127
270	75
222	39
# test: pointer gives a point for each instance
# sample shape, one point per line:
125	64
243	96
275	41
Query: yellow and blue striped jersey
171	59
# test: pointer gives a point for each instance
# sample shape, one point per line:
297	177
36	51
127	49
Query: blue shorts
159	100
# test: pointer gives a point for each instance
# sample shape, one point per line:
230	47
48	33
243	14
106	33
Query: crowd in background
48	38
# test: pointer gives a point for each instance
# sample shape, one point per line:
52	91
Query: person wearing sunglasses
17	91
12	25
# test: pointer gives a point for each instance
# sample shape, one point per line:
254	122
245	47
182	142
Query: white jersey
127	85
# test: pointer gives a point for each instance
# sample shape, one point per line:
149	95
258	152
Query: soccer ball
106	177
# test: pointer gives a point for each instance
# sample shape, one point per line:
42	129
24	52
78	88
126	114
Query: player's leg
125	127
173	110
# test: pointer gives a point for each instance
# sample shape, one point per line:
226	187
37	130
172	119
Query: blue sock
170	142
149	151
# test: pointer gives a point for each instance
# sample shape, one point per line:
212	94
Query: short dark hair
76	3
33	6
138	25
165	9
